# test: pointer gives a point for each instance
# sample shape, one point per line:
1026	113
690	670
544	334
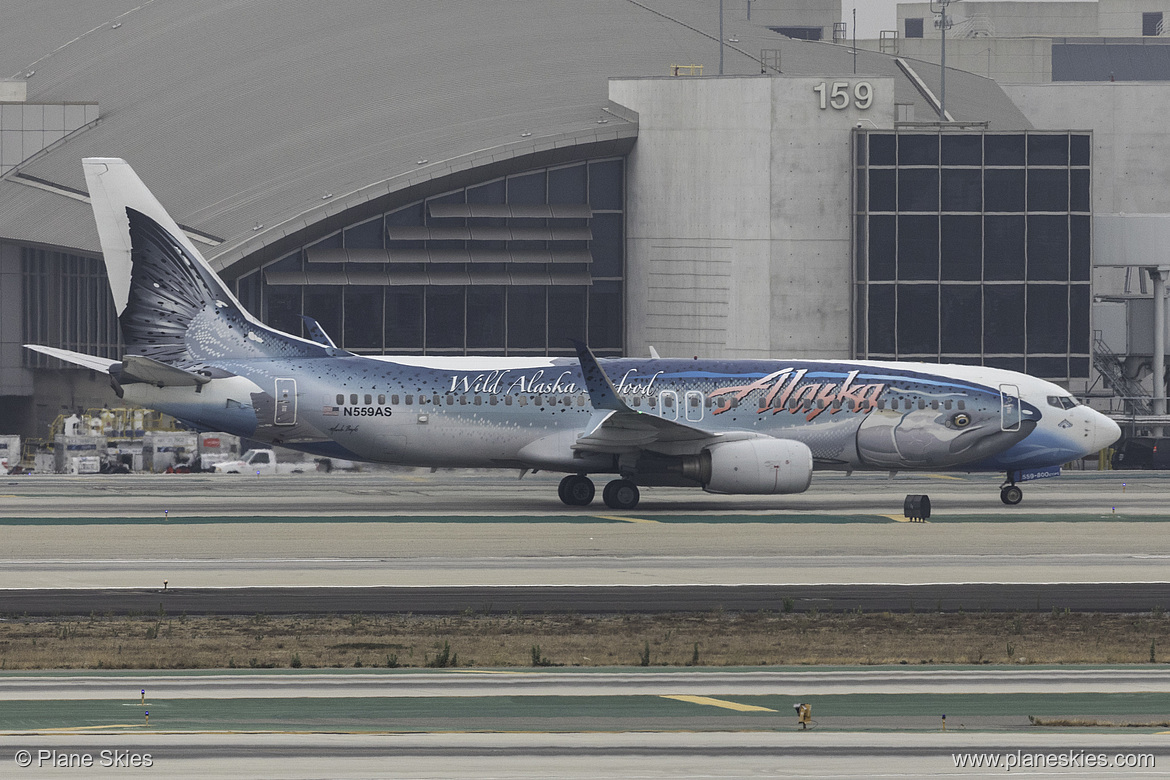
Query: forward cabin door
286	402
1010	416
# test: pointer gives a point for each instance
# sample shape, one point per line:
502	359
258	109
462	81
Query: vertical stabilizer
171	305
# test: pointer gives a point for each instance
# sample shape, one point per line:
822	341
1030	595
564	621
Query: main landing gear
1009	493
578	490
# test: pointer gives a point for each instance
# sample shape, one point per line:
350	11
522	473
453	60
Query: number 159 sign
840	94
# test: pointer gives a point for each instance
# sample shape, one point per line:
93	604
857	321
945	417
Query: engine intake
755	466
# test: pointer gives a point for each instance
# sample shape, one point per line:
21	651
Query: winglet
601	391
317	333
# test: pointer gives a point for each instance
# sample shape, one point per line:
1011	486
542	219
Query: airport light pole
943	24
1158	276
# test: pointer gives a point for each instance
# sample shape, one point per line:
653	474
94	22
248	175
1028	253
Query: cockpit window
1062	401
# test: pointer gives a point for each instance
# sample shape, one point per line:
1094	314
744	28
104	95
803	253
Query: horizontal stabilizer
132	368
136	368
77	358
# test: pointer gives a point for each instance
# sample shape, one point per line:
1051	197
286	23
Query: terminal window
518	264
973	247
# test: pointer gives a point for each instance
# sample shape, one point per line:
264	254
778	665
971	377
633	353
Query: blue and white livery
727	426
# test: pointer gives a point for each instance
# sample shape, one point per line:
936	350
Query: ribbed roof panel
281	115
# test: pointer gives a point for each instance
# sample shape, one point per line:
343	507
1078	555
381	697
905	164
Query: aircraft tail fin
171	305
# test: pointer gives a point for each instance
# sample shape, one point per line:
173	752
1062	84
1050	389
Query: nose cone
1103	432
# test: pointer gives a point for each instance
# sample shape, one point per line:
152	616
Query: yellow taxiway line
90	728
727	705
627	519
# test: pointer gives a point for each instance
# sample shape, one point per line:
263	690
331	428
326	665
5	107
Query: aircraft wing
617	432
617	428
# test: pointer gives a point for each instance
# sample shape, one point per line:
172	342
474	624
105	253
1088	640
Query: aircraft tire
1011	495
621	494
576	490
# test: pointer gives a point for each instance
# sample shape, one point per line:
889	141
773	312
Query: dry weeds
707	639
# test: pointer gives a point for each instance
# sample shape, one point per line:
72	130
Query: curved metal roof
239	114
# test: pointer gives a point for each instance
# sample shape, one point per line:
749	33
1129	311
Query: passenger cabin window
382	399
369	399
353	399
340	398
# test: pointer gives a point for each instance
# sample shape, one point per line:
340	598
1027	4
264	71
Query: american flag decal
330	411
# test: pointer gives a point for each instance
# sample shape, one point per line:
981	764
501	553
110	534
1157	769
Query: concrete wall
739	212
1007	60
1131	170
1123	18
1009	19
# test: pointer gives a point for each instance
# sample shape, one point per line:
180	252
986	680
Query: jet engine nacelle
761	466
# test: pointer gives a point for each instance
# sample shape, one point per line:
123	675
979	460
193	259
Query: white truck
258	462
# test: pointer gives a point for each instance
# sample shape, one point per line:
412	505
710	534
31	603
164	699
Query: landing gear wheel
621	494
576	490
1011	495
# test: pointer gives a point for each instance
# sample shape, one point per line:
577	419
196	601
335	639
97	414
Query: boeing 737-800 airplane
727	426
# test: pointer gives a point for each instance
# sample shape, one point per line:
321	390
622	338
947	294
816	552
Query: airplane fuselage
729	426
526	413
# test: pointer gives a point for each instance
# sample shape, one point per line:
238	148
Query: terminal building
470	178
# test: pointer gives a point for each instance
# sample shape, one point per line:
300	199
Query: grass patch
480	640
1095	723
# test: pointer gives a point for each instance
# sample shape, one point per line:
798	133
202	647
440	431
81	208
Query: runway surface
470	531
446	542
588	756
654	724
71	685
536	600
